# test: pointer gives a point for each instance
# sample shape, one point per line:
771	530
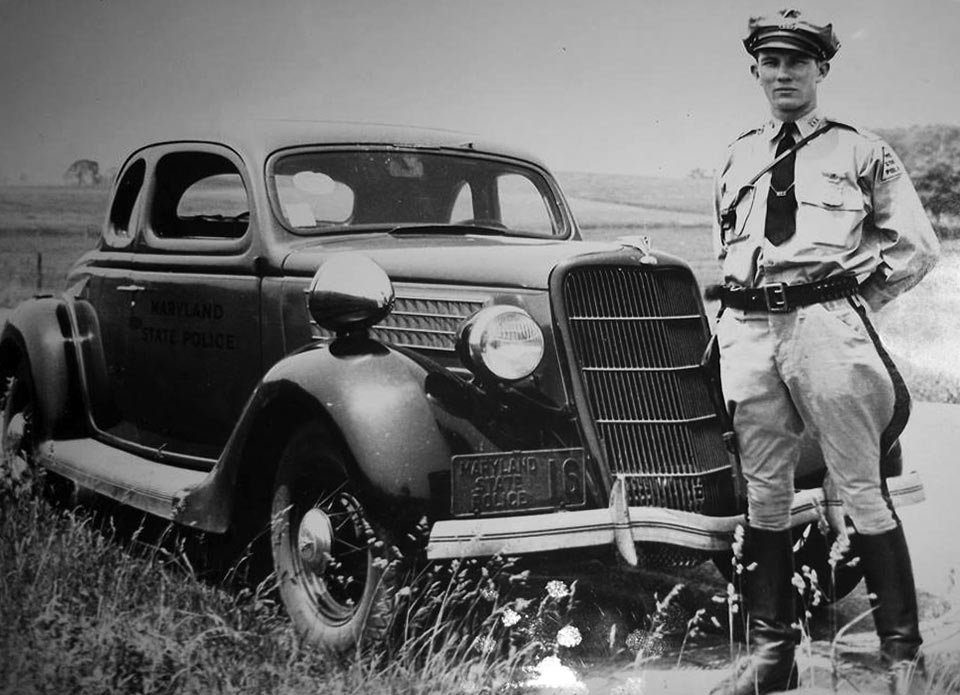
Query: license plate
505	481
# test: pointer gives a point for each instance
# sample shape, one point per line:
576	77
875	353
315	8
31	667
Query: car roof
257	139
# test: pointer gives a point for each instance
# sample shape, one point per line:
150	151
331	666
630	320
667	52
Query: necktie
781	220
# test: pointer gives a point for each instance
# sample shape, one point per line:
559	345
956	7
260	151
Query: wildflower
693	625
733	598
557	589
798	582
672	594
838	550
569	636
737	545
522	603
485	644
488	593
645	644
814	583
510	617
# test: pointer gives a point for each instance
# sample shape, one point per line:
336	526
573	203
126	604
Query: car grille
637	337
424	323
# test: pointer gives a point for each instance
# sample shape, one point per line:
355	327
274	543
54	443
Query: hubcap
314	540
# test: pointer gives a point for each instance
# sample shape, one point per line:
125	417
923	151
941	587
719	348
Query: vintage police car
334	332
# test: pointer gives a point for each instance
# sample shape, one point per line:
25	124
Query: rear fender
39	330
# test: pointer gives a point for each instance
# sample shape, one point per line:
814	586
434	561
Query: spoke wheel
16	427
335	576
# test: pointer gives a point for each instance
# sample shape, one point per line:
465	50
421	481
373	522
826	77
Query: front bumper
623	526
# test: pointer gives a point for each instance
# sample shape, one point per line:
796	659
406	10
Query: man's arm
908	246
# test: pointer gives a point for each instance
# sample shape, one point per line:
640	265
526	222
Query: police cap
786	29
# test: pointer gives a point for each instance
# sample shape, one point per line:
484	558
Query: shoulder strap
728	214
786	153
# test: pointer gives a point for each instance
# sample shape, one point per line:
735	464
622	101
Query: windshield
359	190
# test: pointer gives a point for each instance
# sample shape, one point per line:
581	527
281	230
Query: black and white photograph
531	347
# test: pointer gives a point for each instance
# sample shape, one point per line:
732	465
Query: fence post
39	271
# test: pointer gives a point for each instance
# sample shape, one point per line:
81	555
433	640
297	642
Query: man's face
789	80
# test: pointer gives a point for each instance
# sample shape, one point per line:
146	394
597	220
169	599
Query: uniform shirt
857	213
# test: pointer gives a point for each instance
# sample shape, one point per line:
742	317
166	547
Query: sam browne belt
781	298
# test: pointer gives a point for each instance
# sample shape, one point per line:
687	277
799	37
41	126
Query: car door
197	342
104	310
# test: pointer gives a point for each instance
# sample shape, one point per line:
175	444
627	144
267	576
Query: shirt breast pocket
830	209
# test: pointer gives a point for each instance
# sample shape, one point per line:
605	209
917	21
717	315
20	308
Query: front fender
371	395
39	330
376	398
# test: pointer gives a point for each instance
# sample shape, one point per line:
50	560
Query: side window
124	198
198	195
463	205
522	207
222	195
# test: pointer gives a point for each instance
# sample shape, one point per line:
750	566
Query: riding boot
888	573
768	598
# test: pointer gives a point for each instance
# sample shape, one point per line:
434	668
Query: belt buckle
775	296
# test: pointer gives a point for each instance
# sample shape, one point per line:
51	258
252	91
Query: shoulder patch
890	167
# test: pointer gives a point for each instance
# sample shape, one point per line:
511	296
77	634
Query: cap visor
786	44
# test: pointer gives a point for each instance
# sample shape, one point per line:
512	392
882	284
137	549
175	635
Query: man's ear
823	69
754	70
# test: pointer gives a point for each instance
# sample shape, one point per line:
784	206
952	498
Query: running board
147	485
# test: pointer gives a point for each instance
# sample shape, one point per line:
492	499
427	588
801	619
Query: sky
650	87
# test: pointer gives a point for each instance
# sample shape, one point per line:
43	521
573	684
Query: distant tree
931	155
23	177
938	185
83	172
699	173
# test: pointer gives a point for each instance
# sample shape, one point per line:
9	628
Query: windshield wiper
414	229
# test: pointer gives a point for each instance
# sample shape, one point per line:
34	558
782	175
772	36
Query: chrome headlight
349	292
503	341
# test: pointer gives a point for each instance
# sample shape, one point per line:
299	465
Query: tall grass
86	607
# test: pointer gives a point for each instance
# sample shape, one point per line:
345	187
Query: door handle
131	288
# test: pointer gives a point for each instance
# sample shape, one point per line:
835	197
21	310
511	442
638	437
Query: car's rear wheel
336	575
17	424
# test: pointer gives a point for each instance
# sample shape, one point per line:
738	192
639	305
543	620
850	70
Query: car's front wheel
334	565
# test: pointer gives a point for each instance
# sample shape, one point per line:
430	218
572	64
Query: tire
811	549
17	425
334	568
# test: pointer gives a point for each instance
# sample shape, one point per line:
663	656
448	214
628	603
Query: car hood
461	259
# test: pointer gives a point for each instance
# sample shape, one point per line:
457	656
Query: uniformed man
811	246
